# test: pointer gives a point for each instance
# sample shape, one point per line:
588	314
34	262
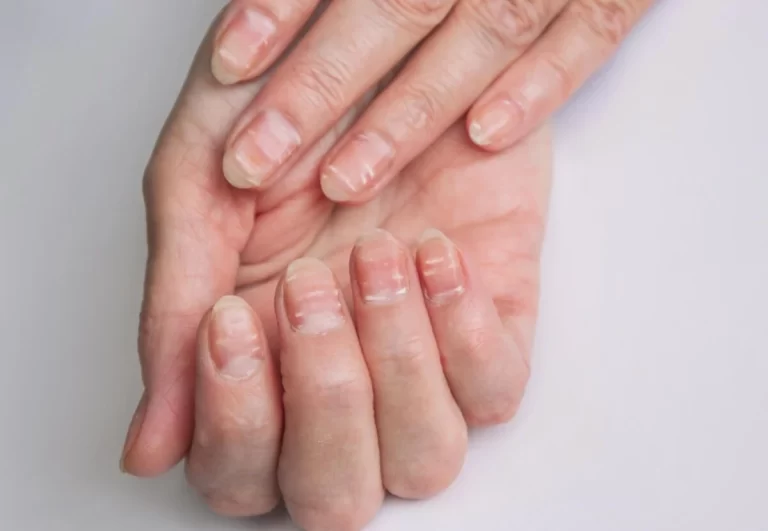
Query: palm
207	239
492	206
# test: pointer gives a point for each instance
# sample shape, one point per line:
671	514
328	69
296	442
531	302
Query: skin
343	367
505	64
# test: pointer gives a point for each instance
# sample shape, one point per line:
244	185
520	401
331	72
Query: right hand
208	240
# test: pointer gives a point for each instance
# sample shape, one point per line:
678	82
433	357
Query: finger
486	371
421	433
192	261
353	45
329	466
582	38
253	33
477	41
238	414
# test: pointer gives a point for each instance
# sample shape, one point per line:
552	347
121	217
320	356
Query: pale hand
247	445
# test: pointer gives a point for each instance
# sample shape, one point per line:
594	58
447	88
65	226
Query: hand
365	401
513	61
208	240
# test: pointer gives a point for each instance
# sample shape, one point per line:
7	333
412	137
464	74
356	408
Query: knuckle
609	20
334	393
417	108
553	69
321	84
509	24
500	378
419	15
342	512
498	407
403	354
240	502
426	475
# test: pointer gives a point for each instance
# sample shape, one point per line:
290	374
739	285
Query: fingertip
134	431
221	71
237	171
233	339
495	126
441	268
332	187
244	40
359	168
155	449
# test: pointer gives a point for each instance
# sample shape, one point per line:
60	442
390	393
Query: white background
648	408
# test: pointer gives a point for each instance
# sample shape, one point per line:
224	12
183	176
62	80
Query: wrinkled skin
208	239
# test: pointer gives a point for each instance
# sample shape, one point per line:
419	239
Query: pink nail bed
361	162
264	146
242	45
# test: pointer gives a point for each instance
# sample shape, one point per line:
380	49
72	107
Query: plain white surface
648	408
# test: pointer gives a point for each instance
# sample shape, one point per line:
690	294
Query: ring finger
351	47
447	74
422	434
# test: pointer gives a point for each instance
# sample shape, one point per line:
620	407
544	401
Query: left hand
513	61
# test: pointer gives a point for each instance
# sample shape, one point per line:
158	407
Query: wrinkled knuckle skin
419	108
417	15
322	84
235	505
341	513
609	20
225	488
509	24
423	476
499	407
552	62
328	394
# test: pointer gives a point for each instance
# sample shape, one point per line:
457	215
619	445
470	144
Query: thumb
197	226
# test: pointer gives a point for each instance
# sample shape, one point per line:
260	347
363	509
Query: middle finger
449	72
353	45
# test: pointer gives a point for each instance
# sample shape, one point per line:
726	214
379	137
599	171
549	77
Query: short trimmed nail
242	45
312	297
234	339
261	148
381	268
495	122
440	267
134	429
362	161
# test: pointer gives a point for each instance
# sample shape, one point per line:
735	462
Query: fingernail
242	45
261	148
362	161
381	268
234	339
312	298
134	429
495	122
442	274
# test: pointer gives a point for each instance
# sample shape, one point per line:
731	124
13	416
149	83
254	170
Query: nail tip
477	135
236	175
376	233
432	234
222	73
331	189
229	301
305	262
